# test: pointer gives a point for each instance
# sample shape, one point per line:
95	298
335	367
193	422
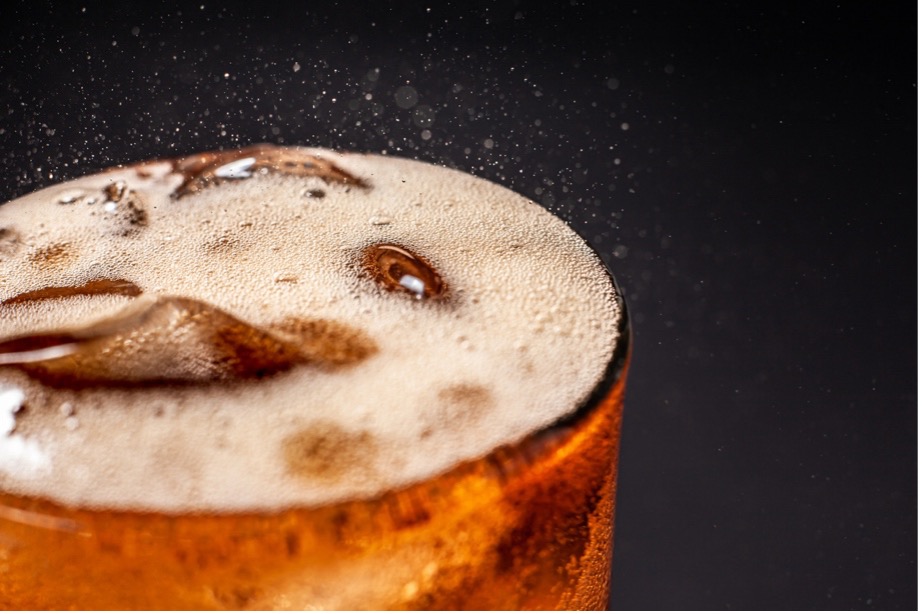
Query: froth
286	326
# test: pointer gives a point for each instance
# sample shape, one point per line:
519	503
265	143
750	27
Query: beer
288	378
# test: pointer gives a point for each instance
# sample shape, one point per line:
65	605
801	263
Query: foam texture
188	270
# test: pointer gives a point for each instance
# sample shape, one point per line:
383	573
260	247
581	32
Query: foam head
270	327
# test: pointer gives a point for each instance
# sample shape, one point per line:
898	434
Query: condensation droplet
380	220
399	269
71	423
66	409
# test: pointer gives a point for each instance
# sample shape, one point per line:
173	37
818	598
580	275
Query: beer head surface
273	327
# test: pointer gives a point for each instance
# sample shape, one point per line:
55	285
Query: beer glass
524	524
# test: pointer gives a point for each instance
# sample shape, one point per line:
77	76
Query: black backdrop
748	172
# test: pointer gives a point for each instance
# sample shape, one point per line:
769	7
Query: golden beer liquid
528	526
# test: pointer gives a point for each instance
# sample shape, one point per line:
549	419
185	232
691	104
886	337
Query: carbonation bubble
211	169
250	313
380	220
69	197
175	340
238	169
398	269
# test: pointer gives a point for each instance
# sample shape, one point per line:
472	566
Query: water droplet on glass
71	423
399	269
66	409
380	220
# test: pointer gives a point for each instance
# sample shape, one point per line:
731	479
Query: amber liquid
528	527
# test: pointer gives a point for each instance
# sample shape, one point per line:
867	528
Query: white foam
17	454
524	333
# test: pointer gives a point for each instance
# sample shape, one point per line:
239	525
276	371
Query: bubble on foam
69	197
236	169
396	268
380	220
488	320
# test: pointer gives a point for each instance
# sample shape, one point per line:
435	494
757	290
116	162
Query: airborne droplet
399	269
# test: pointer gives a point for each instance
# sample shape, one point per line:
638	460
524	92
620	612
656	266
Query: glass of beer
289	378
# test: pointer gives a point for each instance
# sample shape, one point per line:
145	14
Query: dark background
748	172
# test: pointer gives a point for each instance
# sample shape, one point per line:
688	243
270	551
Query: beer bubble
410	589
116	191
69	197
175	340
211	169
259	294
238	169
399	269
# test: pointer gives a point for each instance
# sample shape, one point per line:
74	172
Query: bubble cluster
287	326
